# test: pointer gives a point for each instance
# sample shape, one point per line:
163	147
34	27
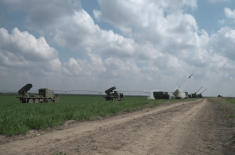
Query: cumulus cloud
21	48
163	44
223	42
150	22
90	36
67	25
28	58
43	14
129	15
214	1
229	13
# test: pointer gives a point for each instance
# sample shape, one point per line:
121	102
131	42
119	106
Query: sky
135	45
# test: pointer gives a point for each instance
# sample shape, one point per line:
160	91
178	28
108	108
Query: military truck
200	95
44	95
186	94
161	95
113	96
194	95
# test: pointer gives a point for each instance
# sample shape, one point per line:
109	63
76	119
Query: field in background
17	118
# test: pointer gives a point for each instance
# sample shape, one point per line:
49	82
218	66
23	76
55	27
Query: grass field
228	105
17	118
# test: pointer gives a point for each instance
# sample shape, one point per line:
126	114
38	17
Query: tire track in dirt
161	130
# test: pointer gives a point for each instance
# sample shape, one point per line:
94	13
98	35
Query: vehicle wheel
30	101
36	101
49	101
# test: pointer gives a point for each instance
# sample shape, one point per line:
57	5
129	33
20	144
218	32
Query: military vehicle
194	95
45	95
161	95
179	93
113	96
186	94
220	96
200	95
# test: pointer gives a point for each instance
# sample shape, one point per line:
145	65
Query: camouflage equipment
200	95
113	96
45	95
194	95
161	95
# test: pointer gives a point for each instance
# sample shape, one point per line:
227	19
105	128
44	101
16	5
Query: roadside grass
17	118
231	110
227	105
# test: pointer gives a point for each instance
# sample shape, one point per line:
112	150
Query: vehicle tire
36	101
30	101
49	101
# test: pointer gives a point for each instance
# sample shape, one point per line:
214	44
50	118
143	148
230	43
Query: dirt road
175	128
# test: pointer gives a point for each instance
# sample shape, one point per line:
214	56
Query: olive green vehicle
161	95
200	95
194	95
114	96
44	95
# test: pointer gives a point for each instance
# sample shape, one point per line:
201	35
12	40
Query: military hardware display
115	96
161	95
200	95
45	95
194	95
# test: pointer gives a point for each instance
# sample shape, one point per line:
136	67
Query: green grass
231	110
17	118
228	106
